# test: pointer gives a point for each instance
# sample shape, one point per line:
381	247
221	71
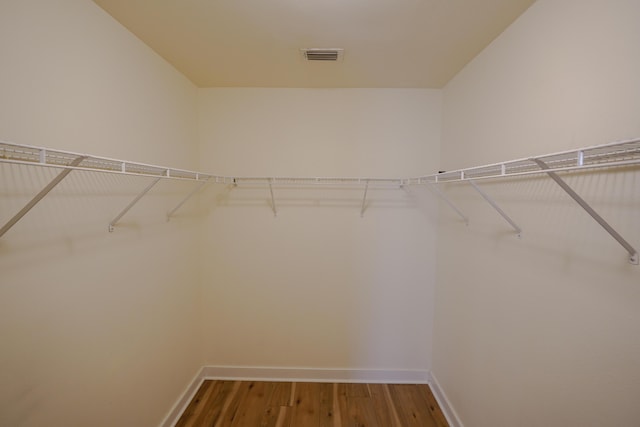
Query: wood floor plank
434	408
252	409
282	404
281	395
327	406
411	406
306	407
284	417
196	405
361	413
278	411
276	416
342	405
214	403
385	409
232	403
353	390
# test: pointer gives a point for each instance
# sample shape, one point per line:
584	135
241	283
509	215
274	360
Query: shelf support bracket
113	223
497	208
364	200
62	175
633	253
191	194
441	194
273	199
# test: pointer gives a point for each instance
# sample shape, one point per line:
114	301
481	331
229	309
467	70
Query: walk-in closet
300	214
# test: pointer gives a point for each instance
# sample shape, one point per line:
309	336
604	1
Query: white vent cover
322	54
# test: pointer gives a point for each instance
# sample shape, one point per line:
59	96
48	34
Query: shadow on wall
350	198
549	318
319	286
552	222
73	218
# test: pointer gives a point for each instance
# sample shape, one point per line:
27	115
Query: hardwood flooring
285	404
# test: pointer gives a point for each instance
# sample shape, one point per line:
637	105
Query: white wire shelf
47	157
319	181
613	155
616	154
40	156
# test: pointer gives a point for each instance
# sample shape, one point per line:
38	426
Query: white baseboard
183	401
443	402
249	373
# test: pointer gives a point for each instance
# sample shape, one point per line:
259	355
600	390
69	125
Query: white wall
96	328
318	286
104	329
543	330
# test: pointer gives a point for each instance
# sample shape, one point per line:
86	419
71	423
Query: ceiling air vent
322	54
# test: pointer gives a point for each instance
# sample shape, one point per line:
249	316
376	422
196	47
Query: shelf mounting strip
616	154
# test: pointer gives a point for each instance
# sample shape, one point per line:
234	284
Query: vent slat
322	54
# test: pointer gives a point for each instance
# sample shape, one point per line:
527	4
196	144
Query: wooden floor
282	404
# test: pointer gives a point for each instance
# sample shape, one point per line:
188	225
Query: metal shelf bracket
273	199
62	175
613	155
633	253
113	223
497	208
441	194
364	200
191	194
